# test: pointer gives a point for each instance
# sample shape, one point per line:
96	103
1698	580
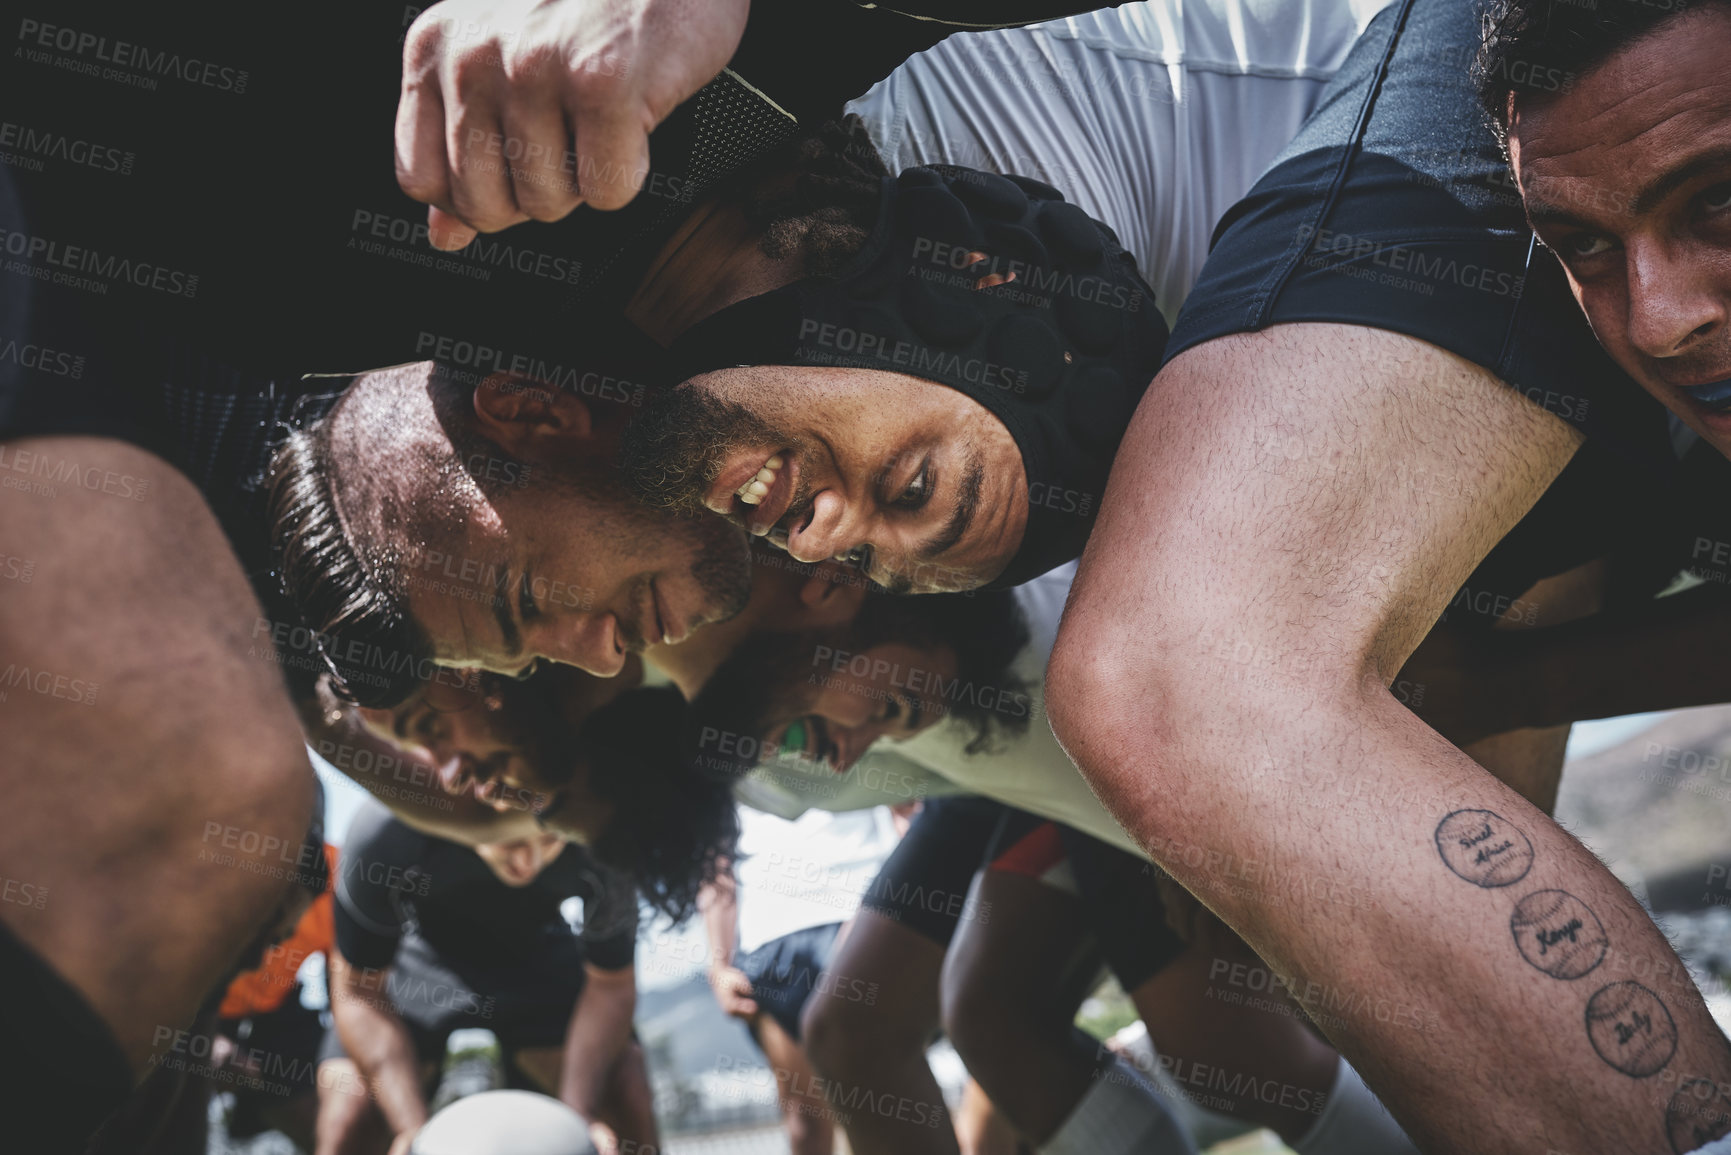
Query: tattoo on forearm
1558	933
1697	1114
1631	1029
1484	848
1629	1026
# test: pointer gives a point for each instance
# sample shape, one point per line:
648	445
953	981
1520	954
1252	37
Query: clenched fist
515	110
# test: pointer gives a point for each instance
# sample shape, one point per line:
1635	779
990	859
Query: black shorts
525	1004
784	971
1118	892
1394	209
62	1074
924	883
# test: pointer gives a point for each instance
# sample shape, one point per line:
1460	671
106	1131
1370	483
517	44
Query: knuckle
588	91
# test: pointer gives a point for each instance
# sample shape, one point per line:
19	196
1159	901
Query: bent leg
805	1114
349	1121
1229	642
1003	1004
155	773
876	1054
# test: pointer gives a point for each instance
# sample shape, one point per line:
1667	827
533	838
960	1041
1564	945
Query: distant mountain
1657	807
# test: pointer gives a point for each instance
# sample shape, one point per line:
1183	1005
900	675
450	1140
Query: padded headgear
1060	354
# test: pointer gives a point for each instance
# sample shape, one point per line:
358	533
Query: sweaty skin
162	736
1332	569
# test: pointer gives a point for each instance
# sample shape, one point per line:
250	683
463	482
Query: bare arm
719	902
598	1035
1222	677
1508	680
373	1034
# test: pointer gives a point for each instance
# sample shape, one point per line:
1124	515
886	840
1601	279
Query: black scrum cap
1061	354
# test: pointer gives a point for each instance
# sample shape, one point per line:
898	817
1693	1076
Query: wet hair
375	651
1542	47
815	196
674	823
761	683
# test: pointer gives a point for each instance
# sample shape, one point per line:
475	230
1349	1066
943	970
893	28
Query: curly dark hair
764	681
674	825
1542	47
815	196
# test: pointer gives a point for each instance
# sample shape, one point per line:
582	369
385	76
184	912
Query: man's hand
733	991
523	109
404	1141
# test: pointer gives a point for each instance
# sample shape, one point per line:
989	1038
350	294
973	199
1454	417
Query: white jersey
1154	117
807	872
1030	772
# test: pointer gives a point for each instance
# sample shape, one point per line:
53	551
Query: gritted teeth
755	490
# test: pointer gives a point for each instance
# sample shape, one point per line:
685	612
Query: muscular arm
374	1036
719	902
596	1039
1222	678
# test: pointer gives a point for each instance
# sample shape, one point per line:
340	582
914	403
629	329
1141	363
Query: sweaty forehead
1652	99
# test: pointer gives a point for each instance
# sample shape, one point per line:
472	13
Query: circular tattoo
1558	933
1484	848
1631	1029
1697	1114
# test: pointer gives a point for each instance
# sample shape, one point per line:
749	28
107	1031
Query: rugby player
432	937
1375	304
926	494
604	763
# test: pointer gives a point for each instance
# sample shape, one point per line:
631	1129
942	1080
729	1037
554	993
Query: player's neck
712	261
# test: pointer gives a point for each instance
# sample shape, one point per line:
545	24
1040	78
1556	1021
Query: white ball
505	1123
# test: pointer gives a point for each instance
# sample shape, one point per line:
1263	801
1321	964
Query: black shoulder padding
1060	352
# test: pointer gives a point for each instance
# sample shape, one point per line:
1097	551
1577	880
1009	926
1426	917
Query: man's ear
529	419
831	596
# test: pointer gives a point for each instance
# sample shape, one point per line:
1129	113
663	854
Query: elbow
1174	734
